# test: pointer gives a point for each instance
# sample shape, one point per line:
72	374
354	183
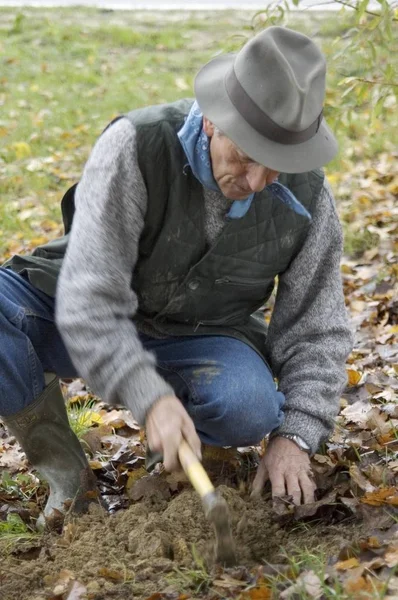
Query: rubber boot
43	431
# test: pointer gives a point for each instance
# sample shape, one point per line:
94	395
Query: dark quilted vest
185	287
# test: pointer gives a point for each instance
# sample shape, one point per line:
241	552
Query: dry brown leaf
354	377
134	476
381	496
257	593
307	582
391	557
111	574
12	457
96	464
344	565
359	478
64	579
377	422
358	413
119	418
362	587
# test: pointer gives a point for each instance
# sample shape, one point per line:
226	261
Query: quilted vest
185	287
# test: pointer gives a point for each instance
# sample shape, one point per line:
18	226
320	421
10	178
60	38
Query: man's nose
258	177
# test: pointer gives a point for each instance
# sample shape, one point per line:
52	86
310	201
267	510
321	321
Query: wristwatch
302	444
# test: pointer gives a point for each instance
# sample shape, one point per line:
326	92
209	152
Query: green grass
80	417
357	241
14	531
197	578
67	72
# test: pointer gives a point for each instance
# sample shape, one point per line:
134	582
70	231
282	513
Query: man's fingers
293	488
170	450
154	441
259	480
308	487
192	438
278	484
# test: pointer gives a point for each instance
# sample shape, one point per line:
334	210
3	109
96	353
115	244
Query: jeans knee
241	415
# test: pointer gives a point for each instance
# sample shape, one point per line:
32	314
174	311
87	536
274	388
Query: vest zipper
237	281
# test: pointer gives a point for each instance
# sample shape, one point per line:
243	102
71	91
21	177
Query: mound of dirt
135	552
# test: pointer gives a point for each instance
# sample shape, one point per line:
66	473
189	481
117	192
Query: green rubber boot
43	431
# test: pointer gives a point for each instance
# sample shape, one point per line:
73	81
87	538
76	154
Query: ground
89	66
163	543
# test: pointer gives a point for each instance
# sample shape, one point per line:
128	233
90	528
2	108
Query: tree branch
372	82
368	12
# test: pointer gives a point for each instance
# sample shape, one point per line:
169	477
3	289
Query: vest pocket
240	281
234	299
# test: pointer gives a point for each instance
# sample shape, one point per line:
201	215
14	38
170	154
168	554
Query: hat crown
284	73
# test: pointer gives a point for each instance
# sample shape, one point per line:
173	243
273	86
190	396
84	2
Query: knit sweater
308	338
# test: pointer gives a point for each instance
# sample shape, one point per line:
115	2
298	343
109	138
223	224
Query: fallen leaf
359	478
257	593
361	584
119	418
21	149
111	574
181	84
391	557
77	592
354	377
307	582
381	496
344	565
358	413
65	577
134	476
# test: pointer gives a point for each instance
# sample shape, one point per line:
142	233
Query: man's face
236	174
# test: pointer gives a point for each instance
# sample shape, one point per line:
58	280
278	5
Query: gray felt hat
268	99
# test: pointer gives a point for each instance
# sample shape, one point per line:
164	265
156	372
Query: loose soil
144	549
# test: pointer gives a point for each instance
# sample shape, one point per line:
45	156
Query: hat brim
215	104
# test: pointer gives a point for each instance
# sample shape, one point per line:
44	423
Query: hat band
257	119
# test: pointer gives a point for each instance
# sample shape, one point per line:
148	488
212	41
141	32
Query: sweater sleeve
95	304
309	337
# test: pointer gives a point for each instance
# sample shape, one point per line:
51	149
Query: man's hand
289	470
167	423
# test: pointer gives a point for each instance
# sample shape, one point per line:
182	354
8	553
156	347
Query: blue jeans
226	387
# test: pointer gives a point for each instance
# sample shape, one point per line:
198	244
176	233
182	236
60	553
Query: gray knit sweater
308	338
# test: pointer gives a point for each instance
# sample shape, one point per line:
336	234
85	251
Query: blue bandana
196	145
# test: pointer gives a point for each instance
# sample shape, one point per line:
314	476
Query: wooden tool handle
194	470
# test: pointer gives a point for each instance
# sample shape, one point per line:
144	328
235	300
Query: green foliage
14	530
196	578
357	241
80	416
21	485
91	66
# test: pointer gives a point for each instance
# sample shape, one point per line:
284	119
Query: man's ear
208	127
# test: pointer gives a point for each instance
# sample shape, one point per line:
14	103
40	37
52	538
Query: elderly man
185	215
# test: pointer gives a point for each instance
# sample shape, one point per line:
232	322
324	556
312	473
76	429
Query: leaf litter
156	543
